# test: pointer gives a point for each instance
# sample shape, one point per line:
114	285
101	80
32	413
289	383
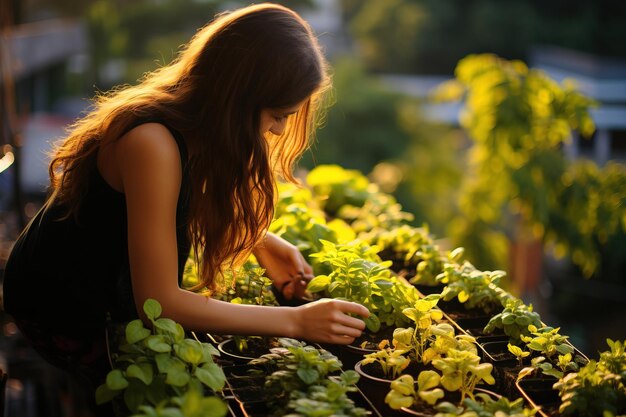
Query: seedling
404	394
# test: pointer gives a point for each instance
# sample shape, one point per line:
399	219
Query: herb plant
599	387
514	320
405	393
473	288
156	365
412	249
484	405
461	371
391	360
356	274
518	352
308	381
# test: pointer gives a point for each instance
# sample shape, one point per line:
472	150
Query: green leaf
190	351
319	283
308	376
164	362
142	372
152	308
170	327
104	394
211	375
115	380
516	350
157	391
432	396
396	400
134	395
427	380
208	351
177	377
157	343
135	331
372	322
452	381
350	377
213	407
405	385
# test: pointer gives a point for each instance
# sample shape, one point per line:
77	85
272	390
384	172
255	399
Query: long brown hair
258	57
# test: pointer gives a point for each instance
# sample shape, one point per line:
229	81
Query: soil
370	341
256	347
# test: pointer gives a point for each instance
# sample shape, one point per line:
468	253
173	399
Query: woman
187	159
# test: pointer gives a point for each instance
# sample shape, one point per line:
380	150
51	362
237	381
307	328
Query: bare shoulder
148	152
149	139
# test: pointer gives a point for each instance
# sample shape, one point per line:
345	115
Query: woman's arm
148	161
285	265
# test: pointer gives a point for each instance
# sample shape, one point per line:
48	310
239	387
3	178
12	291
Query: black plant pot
375	389
538	392
350	354
458	311
256	348
429	289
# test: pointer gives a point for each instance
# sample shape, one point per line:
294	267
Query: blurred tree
362	127
518	120
430	36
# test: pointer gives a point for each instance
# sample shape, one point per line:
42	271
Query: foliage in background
518	176
430	36
361	127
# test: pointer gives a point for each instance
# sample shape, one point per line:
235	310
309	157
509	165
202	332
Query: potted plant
161	368
459	373
414	254
598	388
248	285
308	381
357	274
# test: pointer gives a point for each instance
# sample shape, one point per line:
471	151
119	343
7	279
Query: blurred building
604	80
36	59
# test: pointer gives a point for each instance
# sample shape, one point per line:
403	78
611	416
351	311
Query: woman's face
274	120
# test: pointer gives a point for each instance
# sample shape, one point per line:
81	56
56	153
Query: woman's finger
341	330
350	307
351	322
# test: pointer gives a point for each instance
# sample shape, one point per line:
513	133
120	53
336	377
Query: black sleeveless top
69	275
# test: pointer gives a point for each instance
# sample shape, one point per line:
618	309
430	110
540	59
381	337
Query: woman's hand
285	265
328	321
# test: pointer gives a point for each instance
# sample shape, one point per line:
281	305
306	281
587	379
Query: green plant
391	360
305	381
417	340
518	353
547	341
403	391
484	405
461	371
299	220
248	285
154	365
473	288
335	187
519	120
556	353
514	320
357	274
413	249
191	404
598	388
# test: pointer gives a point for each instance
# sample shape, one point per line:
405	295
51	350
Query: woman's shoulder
152	140
148	152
